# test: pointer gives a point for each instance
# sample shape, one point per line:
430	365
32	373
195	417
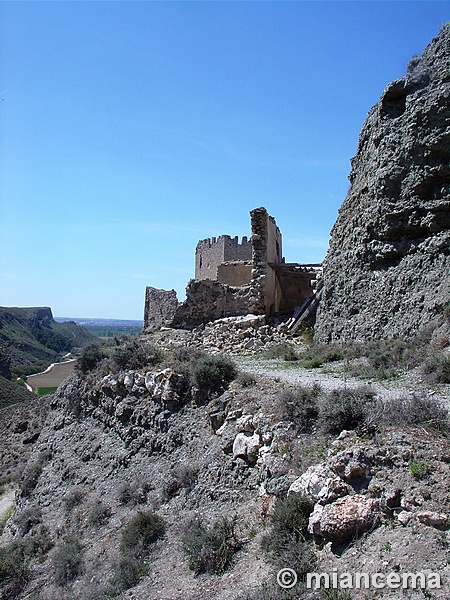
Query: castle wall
212	252
235	273
267	247
160	307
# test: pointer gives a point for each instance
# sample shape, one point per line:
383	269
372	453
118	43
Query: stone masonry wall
212	252
160	307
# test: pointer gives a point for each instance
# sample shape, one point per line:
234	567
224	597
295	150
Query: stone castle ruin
235	278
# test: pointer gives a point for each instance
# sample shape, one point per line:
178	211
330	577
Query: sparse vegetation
67	561
409	411
142	531
210	549
212	374
344	408
14	571
134	354
419	469
32	473
99	513
286	542
300	405
90	358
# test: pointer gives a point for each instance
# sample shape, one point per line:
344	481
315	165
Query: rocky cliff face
387	271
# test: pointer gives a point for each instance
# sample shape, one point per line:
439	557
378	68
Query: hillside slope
30	338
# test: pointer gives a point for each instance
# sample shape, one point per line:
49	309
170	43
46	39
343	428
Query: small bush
210	549
284	351
300	405
345	409
135	354
437	369
32	473
131	494
317	354
14	573
286	541
213	374
128	570
182	477
334	594
27	519
409	411
246	380
73	498
90	357
419	469
67	561
413	63
141	532
99	513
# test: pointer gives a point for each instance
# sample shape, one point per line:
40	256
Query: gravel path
7	499
291	373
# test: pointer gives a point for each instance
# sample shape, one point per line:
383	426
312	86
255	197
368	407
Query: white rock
319	484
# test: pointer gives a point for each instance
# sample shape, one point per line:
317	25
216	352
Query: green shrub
345	409
213	374
73	498
135	354
27	519
90	357
32	473
181	477
419	469
285	352
413	63
286	543
128	570
300	405
317	354
334	594
141	532
131	494
246	380
14	572
210	549
437	369
67	561
410	411
99	513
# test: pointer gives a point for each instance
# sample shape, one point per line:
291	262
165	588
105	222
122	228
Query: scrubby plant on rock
210	549
90	358
212	374
300	405
345	408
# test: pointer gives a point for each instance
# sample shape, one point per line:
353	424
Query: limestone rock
165	387
343	518
387	269
319	484
432	518
246	445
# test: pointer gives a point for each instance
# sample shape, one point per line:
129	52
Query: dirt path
290	373
7	499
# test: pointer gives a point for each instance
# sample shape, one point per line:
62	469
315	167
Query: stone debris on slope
240	335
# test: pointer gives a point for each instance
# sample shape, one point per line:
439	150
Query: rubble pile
241	335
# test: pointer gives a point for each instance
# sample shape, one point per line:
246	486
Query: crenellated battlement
210	253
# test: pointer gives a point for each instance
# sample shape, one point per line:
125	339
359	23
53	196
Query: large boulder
341	520
387	271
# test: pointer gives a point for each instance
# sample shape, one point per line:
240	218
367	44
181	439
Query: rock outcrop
387	269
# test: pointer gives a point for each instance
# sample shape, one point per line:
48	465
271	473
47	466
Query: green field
45	383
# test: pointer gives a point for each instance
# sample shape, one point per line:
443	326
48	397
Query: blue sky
130	130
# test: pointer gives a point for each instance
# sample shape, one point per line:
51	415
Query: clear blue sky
130	130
